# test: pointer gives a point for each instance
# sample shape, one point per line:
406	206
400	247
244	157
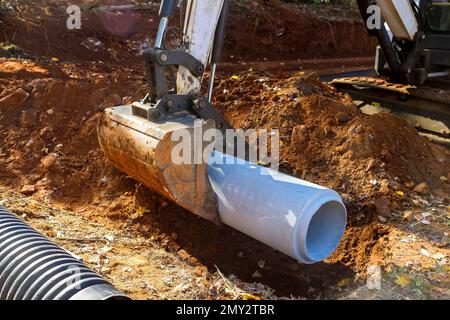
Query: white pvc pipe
303	220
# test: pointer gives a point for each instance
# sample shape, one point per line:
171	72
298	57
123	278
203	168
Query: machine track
427	107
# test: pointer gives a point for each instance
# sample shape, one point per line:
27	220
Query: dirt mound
49	140
325	139
377	163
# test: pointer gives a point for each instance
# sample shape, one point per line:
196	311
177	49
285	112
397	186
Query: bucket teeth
375	83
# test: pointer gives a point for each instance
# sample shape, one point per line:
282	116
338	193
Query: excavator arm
139	138
411	48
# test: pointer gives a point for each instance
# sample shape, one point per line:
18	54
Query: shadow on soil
236	253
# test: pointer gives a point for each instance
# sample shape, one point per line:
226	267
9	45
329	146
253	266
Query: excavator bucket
143	149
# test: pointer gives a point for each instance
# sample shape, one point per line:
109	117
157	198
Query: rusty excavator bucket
143	150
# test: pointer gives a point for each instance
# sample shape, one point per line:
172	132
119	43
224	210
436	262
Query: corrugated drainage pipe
301	219
34	268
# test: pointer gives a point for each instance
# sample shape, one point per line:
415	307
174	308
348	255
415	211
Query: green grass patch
9	50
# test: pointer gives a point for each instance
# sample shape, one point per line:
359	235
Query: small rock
370	165
422	188
28	189
137	261
104	181
49	161
127	269
438	256
426	215
344	283
439	193
425	252
408	215
104	250
359	128
183	254
261	264
81	175
410	184
14	101
351	130
382	205
341	118
127	100
28	118
93	44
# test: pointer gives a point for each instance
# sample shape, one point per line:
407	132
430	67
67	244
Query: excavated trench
49	148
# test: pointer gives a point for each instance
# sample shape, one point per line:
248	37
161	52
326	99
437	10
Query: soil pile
50	105
49	149
326	140
48	139
377	163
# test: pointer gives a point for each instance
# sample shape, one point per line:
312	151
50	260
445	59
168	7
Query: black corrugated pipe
34	268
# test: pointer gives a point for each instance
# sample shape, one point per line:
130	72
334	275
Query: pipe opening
325	230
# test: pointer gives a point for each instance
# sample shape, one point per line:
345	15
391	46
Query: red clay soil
326	140
256	30
49	149
275	31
